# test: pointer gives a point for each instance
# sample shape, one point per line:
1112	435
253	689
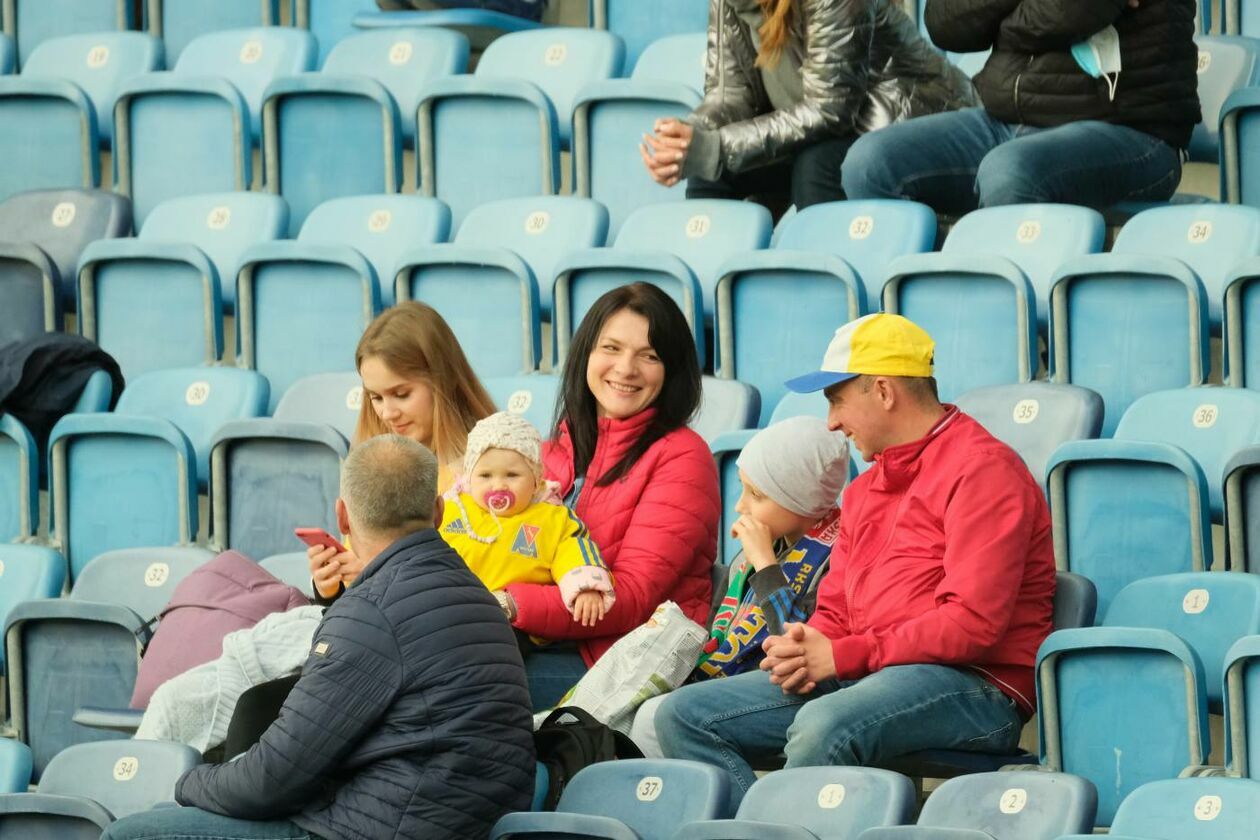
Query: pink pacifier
500	500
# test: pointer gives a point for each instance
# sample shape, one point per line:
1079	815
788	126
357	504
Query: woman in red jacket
644	484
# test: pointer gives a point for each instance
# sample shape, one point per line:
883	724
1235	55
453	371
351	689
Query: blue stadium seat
1209	611
31	22
635	797
505	250
8	55
15	766
1227	63
98	64
326	137
1188	809
532	395
404	61
818	803
63	655
641	22
97	394
1143	504
970	63
984	295
192	130
1241	18
292	568
1241	335
1034	418
525	86
829	254
156	302
1136	320
50	137
271	475
726	405
130	478
1242	510
726	448
1101	694
19	480
90	785
1002	806
60	224
678	246
141	579
301	306
611	117
177	22
27	573
329	20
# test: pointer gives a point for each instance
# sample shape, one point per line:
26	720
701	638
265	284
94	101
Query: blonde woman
789	86
416	383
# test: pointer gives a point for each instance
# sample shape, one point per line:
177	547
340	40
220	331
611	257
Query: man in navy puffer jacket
411	717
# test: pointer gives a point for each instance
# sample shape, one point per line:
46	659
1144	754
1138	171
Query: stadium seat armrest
558	825
76	807
742	830
733	441
114	720
636	90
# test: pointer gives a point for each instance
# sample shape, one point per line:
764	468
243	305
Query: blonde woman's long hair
413	341
774	30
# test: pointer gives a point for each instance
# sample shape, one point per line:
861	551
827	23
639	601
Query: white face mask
1100	57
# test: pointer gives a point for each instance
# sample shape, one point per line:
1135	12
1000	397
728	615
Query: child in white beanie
501	519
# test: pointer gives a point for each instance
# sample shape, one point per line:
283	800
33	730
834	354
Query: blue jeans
958	160
898	710
551	671
196	823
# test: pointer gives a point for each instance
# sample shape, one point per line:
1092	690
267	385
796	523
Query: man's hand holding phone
331	564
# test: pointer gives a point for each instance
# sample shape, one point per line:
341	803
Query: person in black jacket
1068	116
411	716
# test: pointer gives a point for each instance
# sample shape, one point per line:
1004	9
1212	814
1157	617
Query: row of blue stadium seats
1006	282
343	131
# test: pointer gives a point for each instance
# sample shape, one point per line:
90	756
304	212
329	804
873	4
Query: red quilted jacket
656	527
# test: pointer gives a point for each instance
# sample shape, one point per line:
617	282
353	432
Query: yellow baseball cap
878	345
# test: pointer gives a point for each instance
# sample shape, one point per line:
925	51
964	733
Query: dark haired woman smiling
644	483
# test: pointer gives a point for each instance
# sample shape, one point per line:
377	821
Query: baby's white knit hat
503	430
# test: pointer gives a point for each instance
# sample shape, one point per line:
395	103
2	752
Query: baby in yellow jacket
502	518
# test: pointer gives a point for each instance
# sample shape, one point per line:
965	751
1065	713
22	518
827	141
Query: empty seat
177	22
19	480
1242	510
1034	418
192	130
1188	809
533	395
726	405
983	296
486	284
90	785
1136	320
63	655
1227	63
404	61
611	117
130	478
156	301
37	282
329	20
524	86
141	579
631	798
641	22
271	475
679	246
31	22
293	568
301	306
27	573
827	803
1120	707
1002	806
828	254
15	766
1143	504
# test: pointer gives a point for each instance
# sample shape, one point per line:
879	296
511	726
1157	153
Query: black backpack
566	746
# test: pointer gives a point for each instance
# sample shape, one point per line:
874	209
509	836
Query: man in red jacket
940	590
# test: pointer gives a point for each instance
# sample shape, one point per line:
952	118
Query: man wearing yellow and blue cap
940	589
